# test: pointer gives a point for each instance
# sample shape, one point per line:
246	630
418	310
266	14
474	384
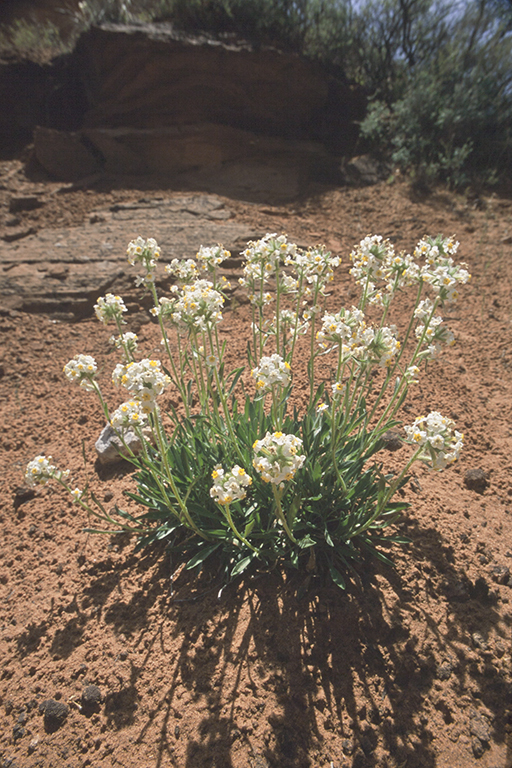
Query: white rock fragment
111	450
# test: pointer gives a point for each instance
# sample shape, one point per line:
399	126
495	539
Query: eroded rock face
144	99
66	269
150	76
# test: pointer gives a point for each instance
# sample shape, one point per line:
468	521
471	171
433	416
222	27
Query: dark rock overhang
145	99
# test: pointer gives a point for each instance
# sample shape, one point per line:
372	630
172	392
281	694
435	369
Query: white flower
145	380
346	329
338	389
81	369
184	270
197	306
440	443
145	252
109	307
411	373
277	458
439	270
76	494
264	256
129	415
384	346
40	470
315	265
270	372
231	486
431	329
211	257
321	407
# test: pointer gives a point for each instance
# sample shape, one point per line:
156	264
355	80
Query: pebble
479	641
444	670
91	698
500	574
480	728
476	479
55	714
392	440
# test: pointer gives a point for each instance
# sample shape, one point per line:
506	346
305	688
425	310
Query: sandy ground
410	670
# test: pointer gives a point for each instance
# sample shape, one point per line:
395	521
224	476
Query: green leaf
201	556
337	577
241	565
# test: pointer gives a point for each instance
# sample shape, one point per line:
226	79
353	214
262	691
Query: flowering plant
235	475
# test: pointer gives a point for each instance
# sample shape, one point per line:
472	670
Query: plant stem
227	514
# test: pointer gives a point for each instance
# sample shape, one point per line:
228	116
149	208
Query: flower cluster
263	257
230	486
145	252
270	372
277	458
183	269
439	270
433	249
198	306
315	265
384	347
210	258
440	444
346	328
290	324
82	369
110	307
430	329
375	261
144	379
40	470
128	415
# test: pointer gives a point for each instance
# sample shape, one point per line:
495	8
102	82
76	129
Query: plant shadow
368	666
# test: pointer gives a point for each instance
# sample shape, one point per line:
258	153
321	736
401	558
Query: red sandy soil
410	669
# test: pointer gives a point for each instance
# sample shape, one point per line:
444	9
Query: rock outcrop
145	99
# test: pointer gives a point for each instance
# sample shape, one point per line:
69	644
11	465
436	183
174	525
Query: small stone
110	448
444	670
392	440
55	714
479	641
500	574
347	746
476	479
259	761
18	732
59	272
24	203
480	728
477	747
33	746
499	650
91	698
